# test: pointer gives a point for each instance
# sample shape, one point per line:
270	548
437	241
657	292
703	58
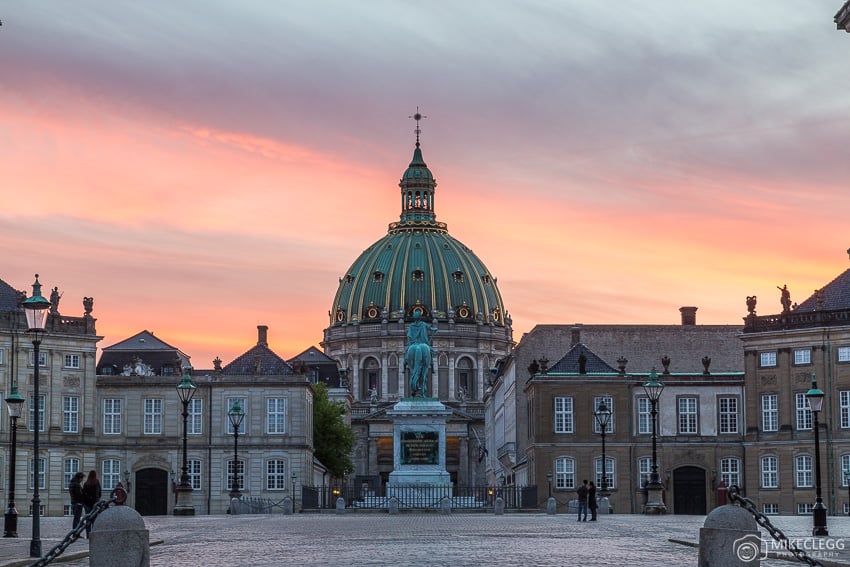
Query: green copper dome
418	266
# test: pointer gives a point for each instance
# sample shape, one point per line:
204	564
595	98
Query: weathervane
418	116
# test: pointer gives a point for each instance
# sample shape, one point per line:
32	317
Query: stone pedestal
730	538
654	503
119	538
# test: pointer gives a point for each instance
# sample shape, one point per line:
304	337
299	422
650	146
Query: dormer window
418	275
457	276
486	279
378	277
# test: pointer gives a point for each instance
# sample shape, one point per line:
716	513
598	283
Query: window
563	415
40	413
609	403
276	415
770	412
565	473
110	474
687	415
240	474
804	412
42	358
111	417
195	421
728	418
41	474
276	474
844	354
72	361
2	355
70	414
844	408
802	356
770	509
418	275
730	471
804	508
70	467
767	359
845	470
609	473
769	472
193	469
644	416
152	416
229	426
644	471
803	471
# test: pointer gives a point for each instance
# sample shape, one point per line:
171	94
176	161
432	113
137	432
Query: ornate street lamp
654	503
603	418
815	397
185	389
15	402
35	308
235	414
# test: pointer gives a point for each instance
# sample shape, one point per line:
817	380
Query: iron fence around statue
420	496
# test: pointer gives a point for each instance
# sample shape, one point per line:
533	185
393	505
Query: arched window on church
465	379
370	382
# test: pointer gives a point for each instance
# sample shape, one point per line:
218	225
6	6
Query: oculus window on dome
463	312
418	275
372	312
378	277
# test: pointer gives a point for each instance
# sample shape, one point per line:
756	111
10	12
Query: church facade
417	270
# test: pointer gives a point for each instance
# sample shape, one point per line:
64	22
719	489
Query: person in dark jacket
75	488
591	501
91	495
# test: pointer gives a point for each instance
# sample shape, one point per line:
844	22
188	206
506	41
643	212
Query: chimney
575	335
689	316
263	335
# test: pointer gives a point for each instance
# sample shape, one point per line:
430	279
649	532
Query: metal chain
764	521
85	522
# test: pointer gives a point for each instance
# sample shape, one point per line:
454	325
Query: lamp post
654	503
294	478
815	397
185	389
35	308
603	418
15	402
235	414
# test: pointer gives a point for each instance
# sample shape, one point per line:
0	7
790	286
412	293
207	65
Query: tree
332	438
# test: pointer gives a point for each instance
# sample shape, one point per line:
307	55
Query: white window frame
644	416
767	359
804	508
844	409
276	416
240	474
770	412
195	421
609	472
563	418
845	469
688	415
770	509
194	469
609	403
730	471
70	467
276	478
110	474
112	416
72	361
228	427
843	354
565	473
42	358
42	473
803	412
152	412
644	471
41	417
727	418
770	471
802	356
803	471
70	414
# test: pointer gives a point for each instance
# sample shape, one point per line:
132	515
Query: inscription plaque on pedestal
420	447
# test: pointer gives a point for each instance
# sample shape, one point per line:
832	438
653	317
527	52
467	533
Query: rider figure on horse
418	355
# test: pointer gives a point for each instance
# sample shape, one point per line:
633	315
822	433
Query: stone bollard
499	508
392	505
551	506
729	538
340	505
446	505
604	506
235	506
119	538
287	506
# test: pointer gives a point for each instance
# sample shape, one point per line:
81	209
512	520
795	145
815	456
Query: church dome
418	266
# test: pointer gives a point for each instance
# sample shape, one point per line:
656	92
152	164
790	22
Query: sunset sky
203	167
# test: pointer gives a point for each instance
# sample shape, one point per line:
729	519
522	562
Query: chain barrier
117	496
260	505
764	521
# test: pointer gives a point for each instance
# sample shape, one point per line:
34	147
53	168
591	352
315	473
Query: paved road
420	540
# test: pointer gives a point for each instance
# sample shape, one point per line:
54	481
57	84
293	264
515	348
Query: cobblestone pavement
437	540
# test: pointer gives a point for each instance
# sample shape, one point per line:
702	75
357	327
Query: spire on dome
418	116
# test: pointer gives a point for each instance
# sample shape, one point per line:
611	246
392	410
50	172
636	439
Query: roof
258	360
142	341
9	297
572	362
143	353
834	296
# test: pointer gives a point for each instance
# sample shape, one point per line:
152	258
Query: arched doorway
151	492
689	491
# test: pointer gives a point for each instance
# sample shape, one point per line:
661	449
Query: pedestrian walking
591	501
582	501
91	495
75	488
